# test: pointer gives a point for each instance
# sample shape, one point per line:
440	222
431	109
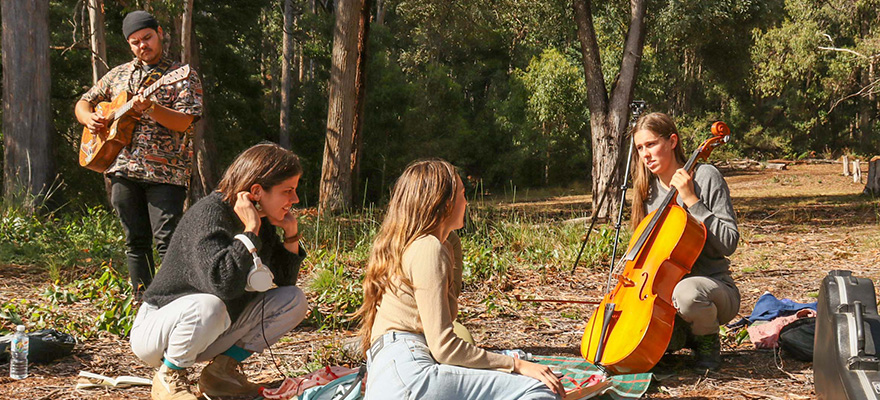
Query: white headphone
260	278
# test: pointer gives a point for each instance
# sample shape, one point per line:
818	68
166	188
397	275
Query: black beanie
137	20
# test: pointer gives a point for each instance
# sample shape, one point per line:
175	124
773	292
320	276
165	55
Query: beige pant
706	302
196	327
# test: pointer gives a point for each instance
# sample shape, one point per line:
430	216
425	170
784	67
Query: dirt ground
796	225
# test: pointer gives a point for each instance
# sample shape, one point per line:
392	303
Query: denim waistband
391	337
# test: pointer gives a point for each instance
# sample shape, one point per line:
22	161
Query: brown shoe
171	384
222	377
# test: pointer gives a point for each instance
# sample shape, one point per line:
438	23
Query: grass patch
60	242
495	243
104	297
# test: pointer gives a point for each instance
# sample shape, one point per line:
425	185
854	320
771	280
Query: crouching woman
201	305
409	304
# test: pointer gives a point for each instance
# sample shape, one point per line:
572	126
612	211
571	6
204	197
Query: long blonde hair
661	125
421	200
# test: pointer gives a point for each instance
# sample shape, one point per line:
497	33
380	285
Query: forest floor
796	225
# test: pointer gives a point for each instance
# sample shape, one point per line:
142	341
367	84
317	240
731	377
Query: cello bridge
624	280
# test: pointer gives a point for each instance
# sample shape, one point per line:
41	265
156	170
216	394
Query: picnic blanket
577	371
292	387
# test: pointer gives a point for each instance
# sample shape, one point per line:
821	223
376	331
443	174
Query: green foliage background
498	89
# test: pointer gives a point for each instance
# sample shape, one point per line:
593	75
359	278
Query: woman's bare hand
539	372
247	213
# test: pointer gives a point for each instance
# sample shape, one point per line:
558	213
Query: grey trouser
706	302
197	327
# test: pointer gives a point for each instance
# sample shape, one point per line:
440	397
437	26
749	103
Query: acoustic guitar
98	150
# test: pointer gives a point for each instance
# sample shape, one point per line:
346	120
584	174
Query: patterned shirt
156	154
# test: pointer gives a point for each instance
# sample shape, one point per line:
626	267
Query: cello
630	329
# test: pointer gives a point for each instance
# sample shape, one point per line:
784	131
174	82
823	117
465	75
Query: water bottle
18	364
517	353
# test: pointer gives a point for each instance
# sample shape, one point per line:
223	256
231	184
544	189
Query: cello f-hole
642	295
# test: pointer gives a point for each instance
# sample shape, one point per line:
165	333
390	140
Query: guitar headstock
720	135
176	75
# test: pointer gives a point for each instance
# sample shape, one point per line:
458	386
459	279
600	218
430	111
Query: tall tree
335	190
557	104
286	65
816	69
204	176
380	12
98	48
360	86
98	43
27	117
609	115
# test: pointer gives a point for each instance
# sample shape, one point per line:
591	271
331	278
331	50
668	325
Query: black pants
148	211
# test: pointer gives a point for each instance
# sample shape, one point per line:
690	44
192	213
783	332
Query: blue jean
405	369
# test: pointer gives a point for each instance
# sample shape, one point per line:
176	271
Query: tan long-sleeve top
430	306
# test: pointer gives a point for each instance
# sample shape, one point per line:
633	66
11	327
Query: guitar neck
147	93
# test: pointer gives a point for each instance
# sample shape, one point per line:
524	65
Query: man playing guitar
149	177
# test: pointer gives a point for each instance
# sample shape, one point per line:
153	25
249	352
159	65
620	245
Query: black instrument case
845	359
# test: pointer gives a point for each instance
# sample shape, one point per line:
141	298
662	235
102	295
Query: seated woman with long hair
410	304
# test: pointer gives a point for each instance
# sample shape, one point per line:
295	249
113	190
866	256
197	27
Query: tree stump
845	165
857	171
872	187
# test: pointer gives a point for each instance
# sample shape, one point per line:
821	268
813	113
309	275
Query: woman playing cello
707	297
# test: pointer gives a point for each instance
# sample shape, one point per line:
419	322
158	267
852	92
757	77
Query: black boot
681	336
707	352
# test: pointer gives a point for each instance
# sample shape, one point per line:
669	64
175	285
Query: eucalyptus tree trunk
27	132
186	33
204	175
360	95
98	47
609	114
97	40
380	12
866	104
335	188
286	65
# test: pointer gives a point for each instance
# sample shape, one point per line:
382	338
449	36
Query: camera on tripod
637	107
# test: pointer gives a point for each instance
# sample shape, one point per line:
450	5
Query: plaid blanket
579	370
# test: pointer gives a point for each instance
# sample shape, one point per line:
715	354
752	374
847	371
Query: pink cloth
766	336
296	386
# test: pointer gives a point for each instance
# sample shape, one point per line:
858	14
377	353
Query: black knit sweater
204	257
